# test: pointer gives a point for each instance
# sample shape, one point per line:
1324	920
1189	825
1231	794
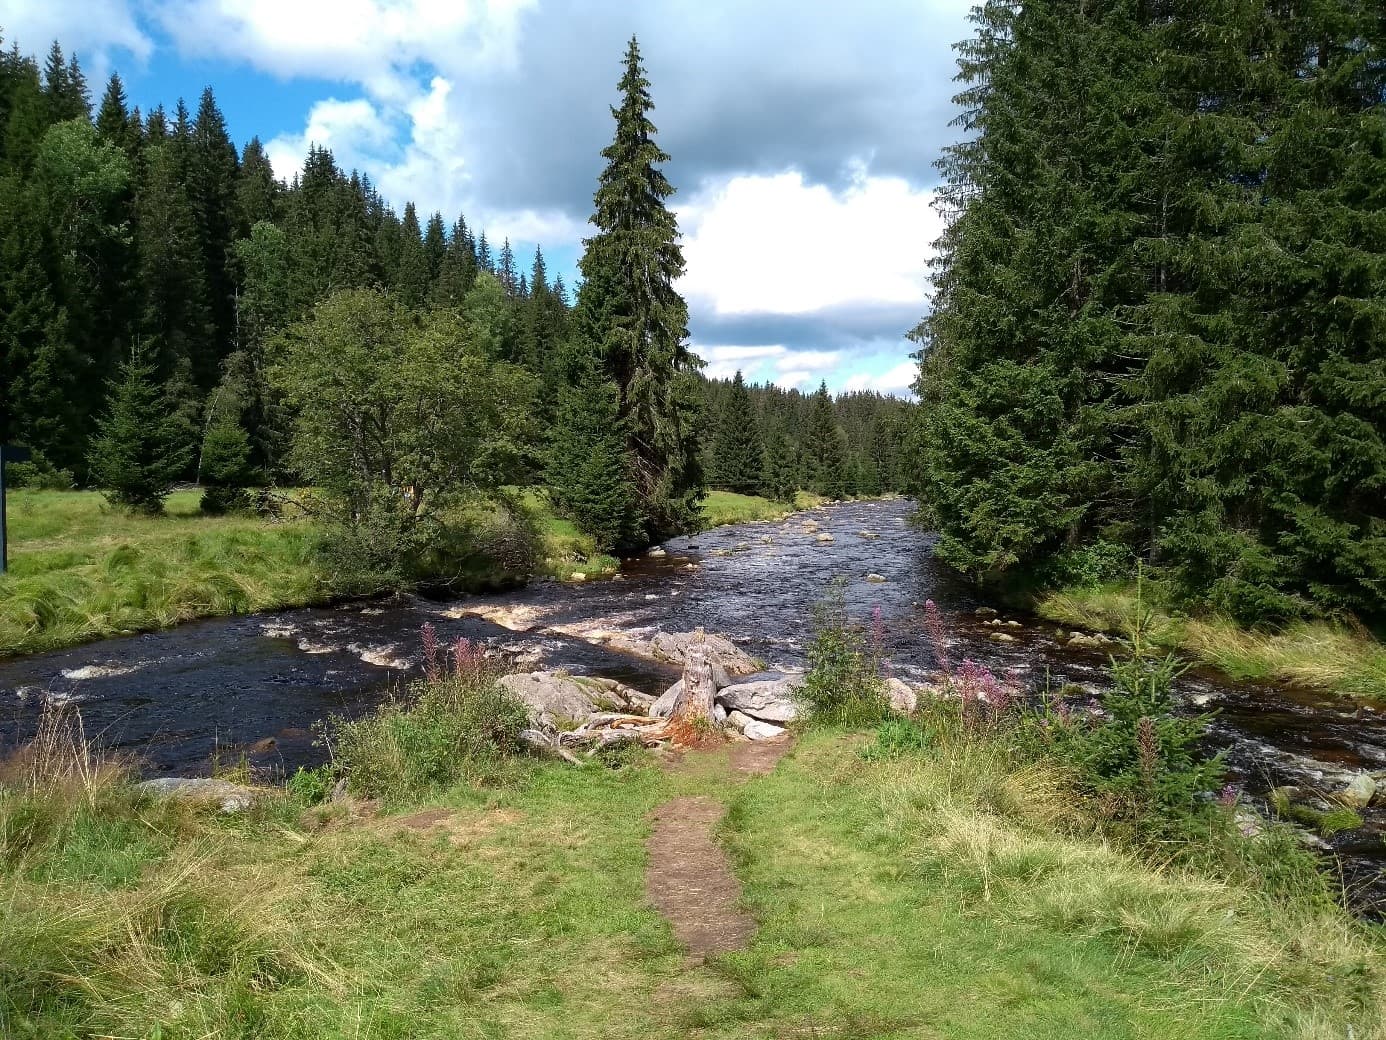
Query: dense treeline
766	440
149	237
1160	317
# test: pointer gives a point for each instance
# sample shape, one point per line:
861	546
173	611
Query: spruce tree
588	463
737	452
138	453
411	279
633	323
824	450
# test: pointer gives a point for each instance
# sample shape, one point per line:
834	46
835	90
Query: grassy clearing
1319	654
727	507
939	893
81	570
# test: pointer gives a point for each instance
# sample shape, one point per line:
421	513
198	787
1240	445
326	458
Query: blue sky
803	135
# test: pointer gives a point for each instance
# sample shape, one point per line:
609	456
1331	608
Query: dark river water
256	685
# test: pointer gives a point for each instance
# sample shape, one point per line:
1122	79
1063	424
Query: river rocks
875	579
551	697
1359	792
656	553
577	576
1093	641
721	651
825	539
770	700
1001	637
867	534
985	612
902	696
757	730
226	796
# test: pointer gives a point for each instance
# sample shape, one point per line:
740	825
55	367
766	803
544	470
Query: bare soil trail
689	878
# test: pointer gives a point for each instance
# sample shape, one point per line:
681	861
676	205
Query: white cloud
92	29
372	42
774	244
355	130
895	380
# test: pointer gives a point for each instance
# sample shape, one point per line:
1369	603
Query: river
255	685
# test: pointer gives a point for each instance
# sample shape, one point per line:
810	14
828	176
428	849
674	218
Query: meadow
1337	656
941	892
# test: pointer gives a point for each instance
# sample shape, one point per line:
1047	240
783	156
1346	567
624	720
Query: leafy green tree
139	450
631	320
737	449
395	416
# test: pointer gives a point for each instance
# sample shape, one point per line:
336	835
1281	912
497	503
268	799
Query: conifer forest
848	535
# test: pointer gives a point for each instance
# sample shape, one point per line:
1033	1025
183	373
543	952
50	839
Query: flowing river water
255	685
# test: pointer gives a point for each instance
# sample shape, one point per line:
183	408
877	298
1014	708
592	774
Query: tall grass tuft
456	724
114	920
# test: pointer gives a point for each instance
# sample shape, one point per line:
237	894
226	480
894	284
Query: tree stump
699	688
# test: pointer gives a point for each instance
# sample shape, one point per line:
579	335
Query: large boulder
771	700
226	796
664	706
721	652
551	696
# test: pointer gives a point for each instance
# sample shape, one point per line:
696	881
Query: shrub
456	724
844	683
1139	756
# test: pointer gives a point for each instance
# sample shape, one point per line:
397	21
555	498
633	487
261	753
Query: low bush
456	724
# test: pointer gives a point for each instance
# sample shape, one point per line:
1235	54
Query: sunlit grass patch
1314	653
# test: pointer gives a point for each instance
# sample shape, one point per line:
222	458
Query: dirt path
689	878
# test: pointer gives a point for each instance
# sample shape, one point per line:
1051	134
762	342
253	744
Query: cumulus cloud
896	380
376	43
775	243
99	30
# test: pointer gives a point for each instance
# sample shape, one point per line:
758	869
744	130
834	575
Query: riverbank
936	891
80	570
1314	654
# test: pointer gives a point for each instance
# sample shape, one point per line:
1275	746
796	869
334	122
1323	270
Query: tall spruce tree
139	450
632	322
824	447
737	451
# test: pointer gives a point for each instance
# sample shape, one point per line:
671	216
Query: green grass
82	570
941	894
1315	653
727	507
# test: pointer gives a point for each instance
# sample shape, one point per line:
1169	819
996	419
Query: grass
728	507
81	570
1316	654
942	892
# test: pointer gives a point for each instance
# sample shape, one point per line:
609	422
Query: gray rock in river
875	579
1360	791
226	796
770	700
